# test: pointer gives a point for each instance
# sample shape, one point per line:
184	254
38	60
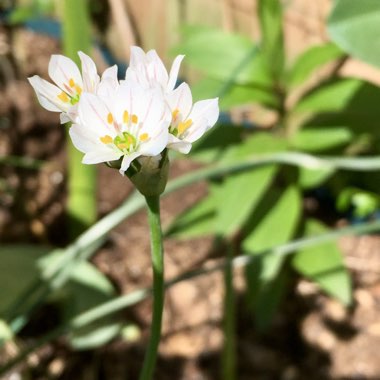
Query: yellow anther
63	96
106	139
78	89
123	146
110	118
183	126
144	137
125	117
175	114
71	82
135	119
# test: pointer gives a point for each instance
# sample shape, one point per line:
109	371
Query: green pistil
75	99
125	141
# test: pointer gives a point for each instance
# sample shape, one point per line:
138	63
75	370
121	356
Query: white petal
84	140
47	94
157	72
89	73
61	70
206	109
148	104
181	99
110	74
173	76
157	143
178	145
204	115
72	113
197	130
126	162
64	118
108	85
93	113
99	156
137	57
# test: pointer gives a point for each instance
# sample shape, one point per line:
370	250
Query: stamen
135	119
106	139
125	117
110	118
78	89
183	126
175	114
123	146
144	137
63	96
71	82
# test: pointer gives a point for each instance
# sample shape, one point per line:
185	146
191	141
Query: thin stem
157	253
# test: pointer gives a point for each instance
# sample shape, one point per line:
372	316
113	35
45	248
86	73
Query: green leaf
213	146
311	60
18	270
232	95
239	194
86	288
324	265
276	220
330	97
364	203
317	139
273	224
349	103
309	178
270	16
269	298
354	25
223	56
196	221
94	335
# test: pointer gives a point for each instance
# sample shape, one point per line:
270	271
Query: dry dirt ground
312	336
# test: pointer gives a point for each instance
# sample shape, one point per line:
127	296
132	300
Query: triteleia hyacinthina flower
189	121
70	84
148	69
133	124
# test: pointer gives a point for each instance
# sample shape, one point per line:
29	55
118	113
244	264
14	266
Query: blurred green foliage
338	116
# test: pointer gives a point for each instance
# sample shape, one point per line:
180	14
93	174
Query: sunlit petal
62	71
173	76
89	73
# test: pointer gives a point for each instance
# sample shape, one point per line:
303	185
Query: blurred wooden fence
156	23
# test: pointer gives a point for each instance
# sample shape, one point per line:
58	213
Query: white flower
189	121
132	124
70	84
148	70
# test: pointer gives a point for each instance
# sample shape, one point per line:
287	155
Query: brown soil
312	336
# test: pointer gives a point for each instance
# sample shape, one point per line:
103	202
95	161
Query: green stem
157	253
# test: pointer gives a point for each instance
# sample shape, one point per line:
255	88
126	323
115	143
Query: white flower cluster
136	117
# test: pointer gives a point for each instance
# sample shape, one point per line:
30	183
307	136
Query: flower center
178	126
72	93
